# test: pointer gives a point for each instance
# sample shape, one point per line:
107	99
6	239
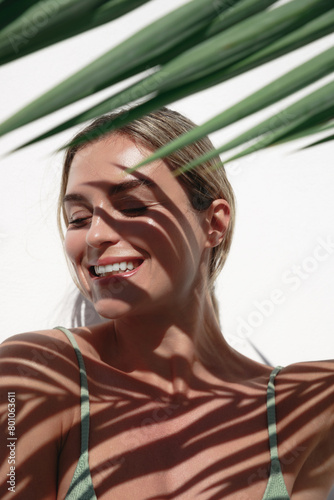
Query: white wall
284	213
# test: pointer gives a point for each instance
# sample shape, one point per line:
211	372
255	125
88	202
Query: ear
218	218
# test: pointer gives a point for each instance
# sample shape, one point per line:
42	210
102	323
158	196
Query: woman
168	410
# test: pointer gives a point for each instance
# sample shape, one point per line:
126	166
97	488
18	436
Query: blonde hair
204	183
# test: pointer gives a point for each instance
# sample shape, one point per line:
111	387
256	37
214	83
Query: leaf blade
75	87
313	30
46	23
313	69
110	67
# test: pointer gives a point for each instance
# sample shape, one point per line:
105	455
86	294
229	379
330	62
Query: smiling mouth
118	268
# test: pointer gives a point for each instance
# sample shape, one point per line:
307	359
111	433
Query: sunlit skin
173	415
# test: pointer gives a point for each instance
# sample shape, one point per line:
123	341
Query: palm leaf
295	116
235	44
204	47
292	123
321	123
321	141
31	26
292	81
9	11
306	34
112	66
299	116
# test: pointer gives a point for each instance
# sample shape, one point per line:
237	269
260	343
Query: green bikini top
81	486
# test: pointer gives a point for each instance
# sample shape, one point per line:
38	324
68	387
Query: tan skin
172	417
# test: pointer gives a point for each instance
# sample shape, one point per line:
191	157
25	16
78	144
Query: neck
174	352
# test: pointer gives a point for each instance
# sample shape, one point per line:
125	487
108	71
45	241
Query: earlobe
218	220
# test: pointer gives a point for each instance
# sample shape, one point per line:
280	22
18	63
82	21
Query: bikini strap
271	415
84	394
276	487
81	485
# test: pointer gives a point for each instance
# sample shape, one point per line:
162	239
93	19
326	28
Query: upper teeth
118	266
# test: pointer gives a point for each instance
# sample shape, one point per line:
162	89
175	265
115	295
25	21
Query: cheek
73	245
175	242
163	238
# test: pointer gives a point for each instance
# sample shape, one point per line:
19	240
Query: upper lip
112	260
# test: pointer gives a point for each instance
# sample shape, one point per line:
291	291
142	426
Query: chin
111	309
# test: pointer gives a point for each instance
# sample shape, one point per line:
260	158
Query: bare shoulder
305	425
310	369
39	386
39	337
41	362
36	355
310	380
307	389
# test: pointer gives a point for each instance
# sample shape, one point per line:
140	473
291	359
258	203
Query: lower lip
115	277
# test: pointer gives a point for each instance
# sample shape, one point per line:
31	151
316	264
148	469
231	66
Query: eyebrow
115	189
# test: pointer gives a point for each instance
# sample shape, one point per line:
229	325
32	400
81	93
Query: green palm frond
307	129
296	115
131	56
207	43
321	141
27	26
311	31
314	69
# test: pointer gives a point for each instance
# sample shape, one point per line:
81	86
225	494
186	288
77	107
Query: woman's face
142	224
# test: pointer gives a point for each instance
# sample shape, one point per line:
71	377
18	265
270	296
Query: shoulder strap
276	488
81	484
271	413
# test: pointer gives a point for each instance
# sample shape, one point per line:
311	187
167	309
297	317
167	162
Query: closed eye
78	222
134	212
128	212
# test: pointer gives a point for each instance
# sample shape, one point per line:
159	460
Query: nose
103	229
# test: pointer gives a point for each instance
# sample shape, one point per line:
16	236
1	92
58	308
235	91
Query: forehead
107	161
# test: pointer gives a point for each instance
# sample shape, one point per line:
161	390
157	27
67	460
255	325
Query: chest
145	445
